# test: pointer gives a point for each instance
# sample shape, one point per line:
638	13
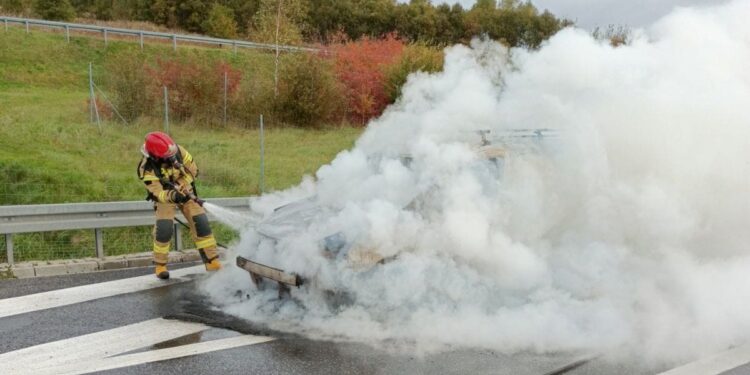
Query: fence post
177	237
166	110
141	39
9	247
174	42
67	33
225	98
261	181
99	240
276	60
105	37
92	97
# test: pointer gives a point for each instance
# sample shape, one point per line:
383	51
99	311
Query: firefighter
168	172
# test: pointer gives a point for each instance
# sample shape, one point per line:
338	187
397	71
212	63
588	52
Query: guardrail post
99	239
177	237
105	37
67	33
27	26
174	42
234	47
9	247
6	25
140	35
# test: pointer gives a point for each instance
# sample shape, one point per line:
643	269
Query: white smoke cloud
627	233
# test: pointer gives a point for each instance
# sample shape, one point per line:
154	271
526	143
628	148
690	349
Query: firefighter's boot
213	265
161	271
210	259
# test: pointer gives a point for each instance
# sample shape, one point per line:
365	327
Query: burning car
493	151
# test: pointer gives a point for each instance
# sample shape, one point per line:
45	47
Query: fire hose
188	228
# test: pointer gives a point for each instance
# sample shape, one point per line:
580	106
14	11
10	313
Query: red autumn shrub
361	67
234	76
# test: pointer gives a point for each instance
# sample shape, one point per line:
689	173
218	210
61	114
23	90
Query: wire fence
232	86
76	244
199	85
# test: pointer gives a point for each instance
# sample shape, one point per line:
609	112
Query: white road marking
154	355
715	364
101	351
69	296
100	344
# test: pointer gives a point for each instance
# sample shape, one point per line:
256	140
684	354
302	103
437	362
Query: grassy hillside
51	153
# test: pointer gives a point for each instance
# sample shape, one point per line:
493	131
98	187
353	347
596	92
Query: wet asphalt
289	354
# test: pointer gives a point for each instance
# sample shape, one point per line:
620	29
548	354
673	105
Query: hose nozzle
197	200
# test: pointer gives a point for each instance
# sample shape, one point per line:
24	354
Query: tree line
514	22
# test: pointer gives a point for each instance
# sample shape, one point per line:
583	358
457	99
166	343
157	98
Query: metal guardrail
141	34
55	217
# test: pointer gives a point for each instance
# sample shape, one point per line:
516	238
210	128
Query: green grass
44	58
51	153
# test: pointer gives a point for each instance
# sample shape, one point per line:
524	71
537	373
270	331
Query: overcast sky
592	13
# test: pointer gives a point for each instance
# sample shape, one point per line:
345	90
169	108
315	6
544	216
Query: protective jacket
161	177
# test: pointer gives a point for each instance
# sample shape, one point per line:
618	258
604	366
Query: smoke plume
623	230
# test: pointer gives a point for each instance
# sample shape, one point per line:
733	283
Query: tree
417	20
220	22
163	12
244	11
480	18
99	9
191	14
17	7
291	16
449	23
60	10
355	18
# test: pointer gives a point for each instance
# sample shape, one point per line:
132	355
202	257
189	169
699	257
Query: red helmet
159	145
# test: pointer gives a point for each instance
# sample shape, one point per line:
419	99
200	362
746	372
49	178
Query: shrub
360	66
415	58
196	89
129	85
309	94
254	98
220	22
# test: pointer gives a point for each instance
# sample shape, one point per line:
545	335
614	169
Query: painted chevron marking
105	350
69	296
715	364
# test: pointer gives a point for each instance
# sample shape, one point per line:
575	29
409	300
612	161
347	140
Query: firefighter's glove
177	197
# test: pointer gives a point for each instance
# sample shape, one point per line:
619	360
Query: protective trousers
199	230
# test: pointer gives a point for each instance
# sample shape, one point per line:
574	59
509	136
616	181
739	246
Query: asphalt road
119	317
